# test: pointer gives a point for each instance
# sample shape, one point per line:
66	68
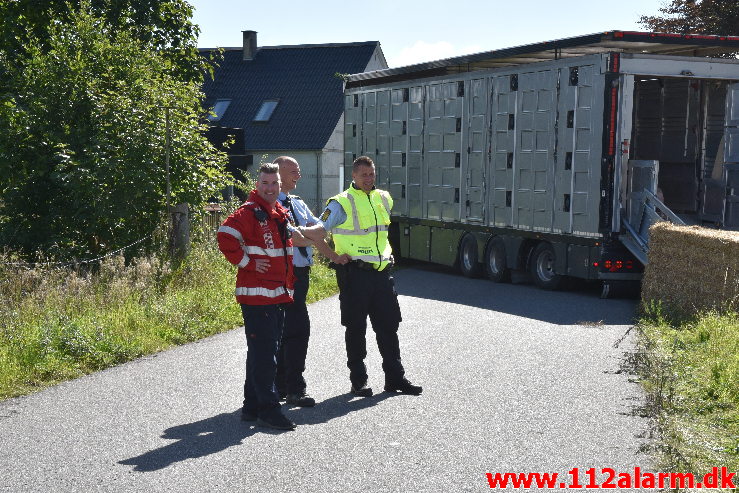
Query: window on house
266	110
219	109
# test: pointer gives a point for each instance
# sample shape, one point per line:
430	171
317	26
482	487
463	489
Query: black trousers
295	335
364	293
263	327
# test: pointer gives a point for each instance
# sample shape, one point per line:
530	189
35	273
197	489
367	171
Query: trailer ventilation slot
508	198
459	125
566	206
405	128
460	89
509	163
402	160
568	160
514	82
402	191
571	119
574	75
354	130
356	100
457	160
406	94
456	195
511	122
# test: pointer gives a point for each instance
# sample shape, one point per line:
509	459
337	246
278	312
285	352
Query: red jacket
257	231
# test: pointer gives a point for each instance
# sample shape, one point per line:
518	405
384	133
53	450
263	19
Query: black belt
306	268
362	265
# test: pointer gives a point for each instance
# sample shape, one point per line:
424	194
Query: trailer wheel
542	267
495	261
468	264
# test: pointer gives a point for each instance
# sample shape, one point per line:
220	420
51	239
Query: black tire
496	265
541	267
467	257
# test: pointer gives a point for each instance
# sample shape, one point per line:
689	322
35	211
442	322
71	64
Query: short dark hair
362	161
269	168
284	160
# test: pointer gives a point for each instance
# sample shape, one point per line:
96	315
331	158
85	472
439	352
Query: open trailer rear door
731	157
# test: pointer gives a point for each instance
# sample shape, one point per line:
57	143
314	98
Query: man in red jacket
256	239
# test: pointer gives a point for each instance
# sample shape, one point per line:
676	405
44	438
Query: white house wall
308	160
377	62
332	160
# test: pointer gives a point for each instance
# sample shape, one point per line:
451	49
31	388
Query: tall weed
692	375
58	323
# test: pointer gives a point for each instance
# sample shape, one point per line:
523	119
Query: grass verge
690	369
57	324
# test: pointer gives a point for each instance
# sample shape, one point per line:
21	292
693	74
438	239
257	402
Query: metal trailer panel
474	161
443	150
353	104
514	148
503	110
397	175
416	126
519	147
444	243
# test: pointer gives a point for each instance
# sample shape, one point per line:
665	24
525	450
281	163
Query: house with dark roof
287	100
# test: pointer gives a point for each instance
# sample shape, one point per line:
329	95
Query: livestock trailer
554	157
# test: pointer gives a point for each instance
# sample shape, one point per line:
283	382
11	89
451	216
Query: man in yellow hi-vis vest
359	218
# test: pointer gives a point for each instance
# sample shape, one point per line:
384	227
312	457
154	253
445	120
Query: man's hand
299	240
342	259
261	265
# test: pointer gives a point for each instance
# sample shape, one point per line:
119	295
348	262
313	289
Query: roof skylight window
219	109
266	110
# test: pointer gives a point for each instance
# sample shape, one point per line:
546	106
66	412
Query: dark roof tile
301	77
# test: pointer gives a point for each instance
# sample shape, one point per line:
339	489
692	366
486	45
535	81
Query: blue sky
411	31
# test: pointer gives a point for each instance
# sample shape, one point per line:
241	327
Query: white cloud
421	51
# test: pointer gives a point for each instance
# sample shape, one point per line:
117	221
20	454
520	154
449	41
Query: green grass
690	369
57	324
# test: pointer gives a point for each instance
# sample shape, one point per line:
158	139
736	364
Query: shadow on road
579	305
198	439
335	407
217	433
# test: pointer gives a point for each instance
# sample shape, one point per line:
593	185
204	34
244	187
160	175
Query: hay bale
692	268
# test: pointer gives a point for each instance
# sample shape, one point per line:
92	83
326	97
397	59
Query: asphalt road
515	380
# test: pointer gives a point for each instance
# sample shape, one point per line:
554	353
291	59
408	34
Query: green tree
696	16
160	24
82	154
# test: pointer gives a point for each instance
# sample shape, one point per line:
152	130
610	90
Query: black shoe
277	421
247	416
362	391
301	399
404	387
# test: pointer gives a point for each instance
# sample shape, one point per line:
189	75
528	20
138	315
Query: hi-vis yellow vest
363	235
